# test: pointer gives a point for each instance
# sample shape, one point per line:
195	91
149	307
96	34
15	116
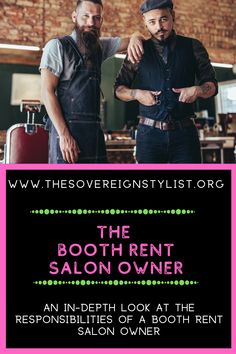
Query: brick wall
33	22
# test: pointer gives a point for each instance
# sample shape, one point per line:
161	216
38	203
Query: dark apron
79	98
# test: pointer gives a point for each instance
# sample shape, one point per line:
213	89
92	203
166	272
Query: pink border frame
3	169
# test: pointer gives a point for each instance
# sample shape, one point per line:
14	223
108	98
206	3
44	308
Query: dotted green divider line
116	282
113	211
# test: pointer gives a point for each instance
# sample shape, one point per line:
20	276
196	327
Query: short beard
88	41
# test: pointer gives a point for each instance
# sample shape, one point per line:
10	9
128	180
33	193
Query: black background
202	243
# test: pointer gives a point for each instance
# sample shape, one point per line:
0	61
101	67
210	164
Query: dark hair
99	2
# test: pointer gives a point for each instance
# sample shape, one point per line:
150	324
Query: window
25	86
226	98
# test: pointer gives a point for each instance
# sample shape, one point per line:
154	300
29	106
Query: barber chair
27	142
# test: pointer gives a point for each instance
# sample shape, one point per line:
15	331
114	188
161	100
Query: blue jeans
169	146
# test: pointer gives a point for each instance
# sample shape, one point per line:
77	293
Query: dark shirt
204	70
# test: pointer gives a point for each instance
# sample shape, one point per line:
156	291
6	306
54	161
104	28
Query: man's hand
188	94
135	48
69	148
145	97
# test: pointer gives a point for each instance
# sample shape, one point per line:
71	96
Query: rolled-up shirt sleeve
52	57
204	70
126	75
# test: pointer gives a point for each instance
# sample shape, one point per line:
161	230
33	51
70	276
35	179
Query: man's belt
169	125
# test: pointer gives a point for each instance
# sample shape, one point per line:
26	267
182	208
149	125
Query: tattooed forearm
133	94
208	89
126	94
205	88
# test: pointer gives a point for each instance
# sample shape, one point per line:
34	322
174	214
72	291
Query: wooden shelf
15	56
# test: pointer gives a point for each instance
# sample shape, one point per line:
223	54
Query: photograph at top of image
105	82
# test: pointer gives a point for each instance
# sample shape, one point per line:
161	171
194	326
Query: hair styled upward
99	2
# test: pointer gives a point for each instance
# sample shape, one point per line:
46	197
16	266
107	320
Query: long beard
88	42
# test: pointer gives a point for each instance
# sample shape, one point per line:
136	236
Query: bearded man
172	74
70	80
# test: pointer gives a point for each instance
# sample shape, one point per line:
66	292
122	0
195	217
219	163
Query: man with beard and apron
70	79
